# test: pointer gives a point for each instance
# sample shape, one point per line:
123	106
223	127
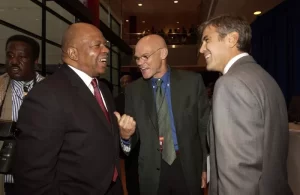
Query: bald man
69	141
171	110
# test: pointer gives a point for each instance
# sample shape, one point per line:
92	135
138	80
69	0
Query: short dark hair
35	47
226	24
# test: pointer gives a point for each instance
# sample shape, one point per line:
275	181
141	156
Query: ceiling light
173	46
143	21
127	20
140	4
175	1
177	22
257	13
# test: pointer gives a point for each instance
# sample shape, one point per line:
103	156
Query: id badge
161	143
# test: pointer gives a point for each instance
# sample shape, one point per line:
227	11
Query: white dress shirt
232	61
88	81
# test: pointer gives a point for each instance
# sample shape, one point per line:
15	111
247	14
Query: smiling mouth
15	69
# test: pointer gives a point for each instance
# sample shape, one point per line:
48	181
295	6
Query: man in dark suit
249	127
69	141
171	110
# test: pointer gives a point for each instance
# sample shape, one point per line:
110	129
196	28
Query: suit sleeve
203	116
238	123
127	148
38	145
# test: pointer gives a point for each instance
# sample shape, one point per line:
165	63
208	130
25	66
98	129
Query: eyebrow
205	37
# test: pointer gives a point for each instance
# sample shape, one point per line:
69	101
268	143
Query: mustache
14	66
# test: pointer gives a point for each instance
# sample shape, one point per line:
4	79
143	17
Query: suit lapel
150	103
176	89
85	94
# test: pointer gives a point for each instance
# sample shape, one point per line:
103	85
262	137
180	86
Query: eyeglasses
144	57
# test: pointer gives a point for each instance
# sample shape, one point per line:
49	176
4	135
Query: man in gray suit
249	127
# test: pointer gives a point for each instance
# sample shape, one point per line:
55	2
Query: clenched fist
126	124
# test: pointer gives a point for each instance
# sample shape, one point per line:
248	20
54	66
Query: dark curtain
276	45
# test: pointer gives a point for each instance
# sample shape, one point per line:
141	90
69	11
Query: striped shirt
17	99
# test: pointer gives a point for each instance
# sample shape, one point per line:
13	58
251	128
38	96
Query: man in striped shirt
22	55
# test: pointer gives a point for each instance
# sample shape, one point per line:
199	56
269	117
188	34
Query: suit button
158	169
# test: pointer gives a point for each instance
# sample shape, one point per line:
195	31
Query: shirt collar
232	61
165	78
85	77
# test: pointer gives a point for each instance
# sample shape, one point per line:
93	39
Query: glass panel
106	75
104	16
115	60
61	11
116	91
115	26
4	35
24	14
115	77
53	55
116	49
55	28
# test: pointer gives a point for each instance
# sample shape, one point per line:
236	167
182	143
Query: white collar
232	61
85	77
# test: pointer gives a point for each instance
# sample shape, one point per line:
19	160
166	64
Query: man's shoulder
4	76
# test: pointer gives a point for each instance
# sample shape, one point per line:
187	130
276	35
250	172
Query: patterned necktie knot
94	83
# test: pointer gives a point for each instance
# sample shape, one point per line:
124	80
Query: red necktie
101	104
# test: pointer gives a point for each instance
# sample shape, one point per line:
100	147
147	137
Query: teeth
207	56
103	60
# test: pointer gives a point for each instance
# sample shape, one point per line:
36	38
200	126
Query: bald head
84	48
75	33
152	41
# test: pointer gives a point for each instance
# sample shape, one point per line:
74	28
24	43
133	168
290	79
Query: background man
171	110
249	126
22	56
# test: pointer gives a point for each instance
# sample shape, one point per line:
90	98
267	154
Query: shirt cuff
126	145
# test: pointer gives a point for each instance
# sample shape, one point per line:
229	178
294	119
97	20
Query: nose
139	62
105	50
202	48
14	60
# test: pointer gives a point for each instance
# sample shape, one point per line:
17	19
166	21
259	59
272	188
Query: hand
203	180
126	124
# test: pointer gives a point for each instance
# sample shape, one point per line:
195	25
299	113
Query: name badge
161	143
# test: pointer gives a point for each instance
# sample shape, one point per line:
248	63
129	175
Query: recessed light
140	4
143	21
175	1
257	13
127	20
173	46
177	22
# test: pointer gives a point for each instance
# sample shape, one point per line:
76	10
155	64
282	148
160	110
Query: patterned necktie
164	124
101	104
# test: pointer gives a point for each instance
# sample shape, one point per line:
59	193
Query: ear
72	53
233	38
36	61
164	53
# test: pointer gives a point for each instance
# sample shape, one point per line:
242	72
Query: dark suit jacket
190	108
66	145
249	133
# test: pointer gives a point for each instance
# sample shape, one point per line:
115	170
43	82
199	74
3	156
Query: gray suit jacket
190	109
248	133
